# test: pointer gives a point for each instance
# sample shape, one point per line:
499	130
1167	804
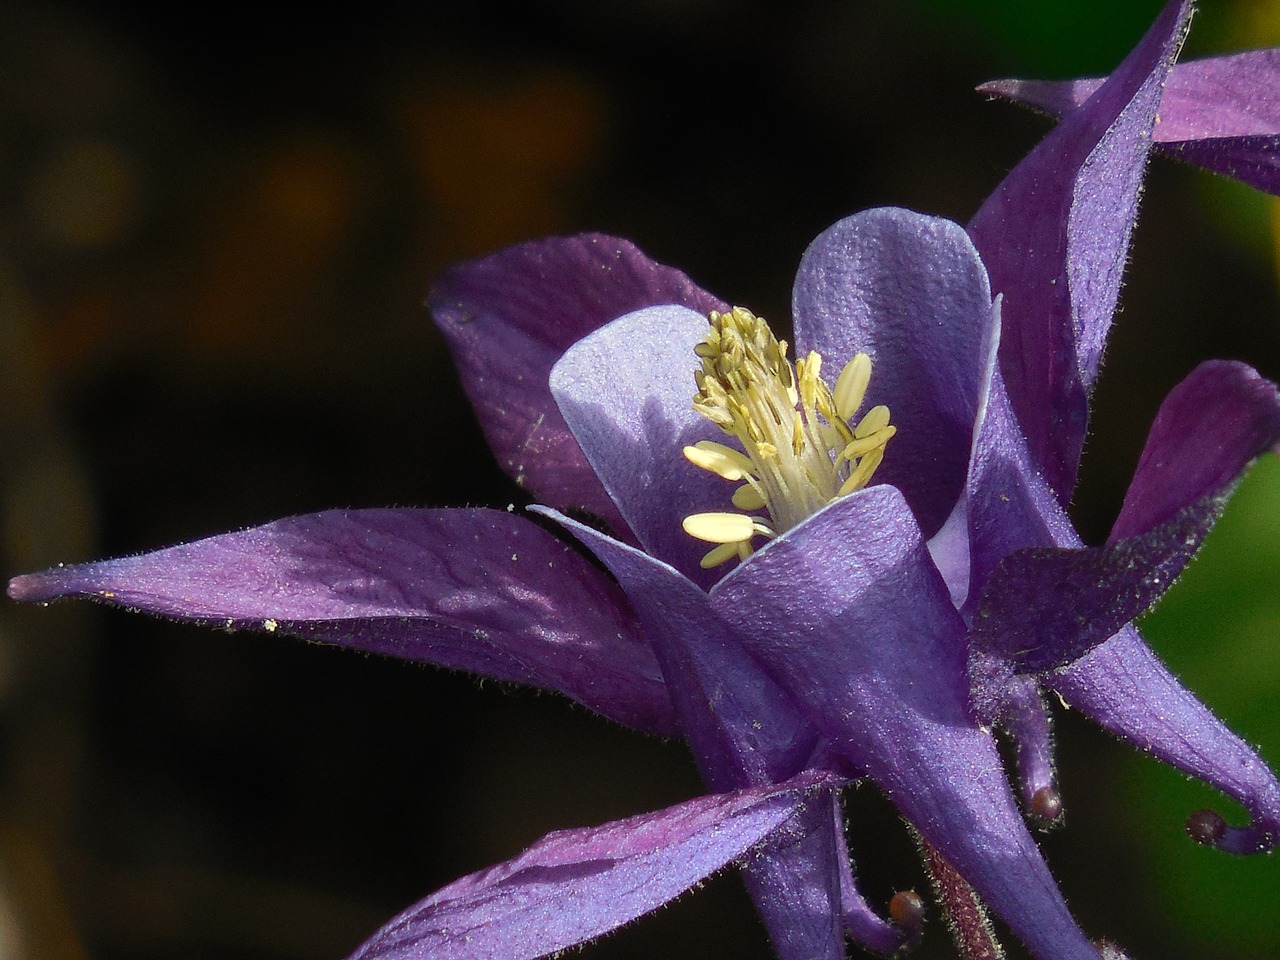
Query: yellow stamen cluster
799	451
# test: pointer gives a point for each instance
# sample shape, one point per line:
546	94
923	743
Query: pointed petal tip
35	587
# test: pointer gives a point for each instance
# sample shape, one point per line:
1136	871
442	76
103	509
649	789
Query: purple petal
854	620
861	922
626	392
1043	608
1209	428
743	730
1220	113
1008	505
574	885
1231	96
1053	236
478	590
910	291
508	317
1122	686
1251	160
1057	98
794	880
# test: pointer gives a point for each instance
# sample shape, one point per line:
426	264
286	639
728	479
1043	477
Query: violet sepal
1124	688
1053	236
1219	113
479	590
574	885
509	316
1046	607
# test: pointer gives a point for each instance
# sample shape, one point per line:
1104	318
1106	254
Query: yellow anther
864	445
747	497
799	450
877	418
862	472
724	553
720	527
718	459
851	385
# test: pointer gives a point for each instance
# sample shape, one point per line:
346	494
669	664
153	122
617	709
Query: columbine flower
884	595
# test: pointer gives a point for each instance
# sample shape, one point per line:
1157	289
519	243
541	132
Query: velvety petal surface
574	885
1008	504
910	291
1251	160
803	879
1122	686
1219	113
1044	607
508	317
744	730
853	619
1053	237
626	392
1231	96
478	590
1207	431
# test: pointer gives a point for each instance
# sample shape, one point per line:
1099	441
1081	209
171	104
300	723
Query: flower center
799	450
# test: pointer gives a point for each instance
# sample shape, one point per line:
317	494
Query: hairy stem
966	915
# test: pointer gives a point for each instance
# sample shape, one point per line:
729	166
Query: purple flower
1219	113
894	578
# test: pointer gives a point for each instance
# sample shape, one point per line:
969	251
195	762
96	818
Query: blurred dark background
217	231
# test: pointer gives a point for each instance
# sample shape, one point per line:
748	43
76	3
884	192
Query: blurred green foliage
1061	39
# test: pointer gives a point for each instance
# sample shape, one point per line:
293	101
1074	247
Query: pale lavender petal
574	885
1053	236
910	291
478	590
1123	687
626	392
853	619
1044	607
508	317
1209	428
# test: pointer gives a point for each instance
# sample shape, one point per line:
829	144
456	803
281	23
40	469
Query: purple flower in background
893	579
